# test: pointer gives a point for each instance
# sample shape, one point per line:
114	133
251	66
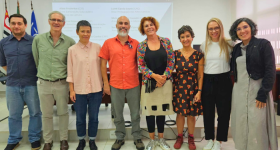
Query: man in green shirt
50	54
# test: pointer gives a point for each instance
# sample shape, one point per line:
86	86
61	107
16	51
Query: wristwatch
199	90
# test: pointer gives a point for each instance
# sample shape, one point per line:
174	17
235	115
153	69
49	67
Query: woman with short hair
85	83
156	62
187	86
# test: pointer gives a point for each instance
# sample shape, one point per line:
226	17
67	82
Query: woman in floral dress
187	86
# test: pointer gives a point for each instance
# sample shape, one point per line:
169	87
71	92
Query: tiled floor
106	145
105	122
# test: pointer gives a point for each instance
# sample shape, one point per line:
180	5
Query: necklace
187	54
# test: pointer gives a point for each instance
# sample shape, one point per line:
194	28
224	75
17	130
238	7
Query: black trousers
216	92
151	124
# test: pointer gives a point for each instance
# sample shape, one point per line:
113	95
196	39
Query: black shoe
12	146
36	145
82	145
92	145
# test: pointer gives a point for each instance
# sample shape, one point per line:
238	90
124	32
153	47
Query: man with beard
50	51
16	58
120	51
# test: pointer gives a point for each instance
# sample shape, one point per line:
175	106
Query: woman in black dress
156	62
187	86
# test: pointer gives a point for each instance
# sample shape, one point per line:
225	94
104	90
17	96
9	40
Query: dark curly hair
252	24
185	28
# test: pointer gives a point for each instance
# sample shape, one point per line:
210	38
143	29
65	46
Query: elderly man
50	54
120	51
16	58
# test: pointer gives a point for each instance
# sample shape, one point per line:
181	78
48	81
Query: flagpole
5	5
18	7
31	5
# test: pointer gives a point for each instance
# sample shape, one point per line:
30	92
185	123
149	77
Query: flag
18	12
7	30
34	29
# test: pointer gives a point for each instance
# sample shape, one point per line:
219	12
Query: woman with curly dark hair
253	125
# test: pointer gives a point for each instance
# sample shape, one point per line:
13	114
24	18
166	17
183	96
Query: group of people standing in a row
43	70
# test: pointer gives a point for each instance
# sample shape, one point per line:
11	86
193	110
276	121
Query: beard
121	33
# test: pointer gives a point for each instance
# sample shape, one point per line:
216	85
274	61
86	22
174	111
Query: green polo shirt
51	61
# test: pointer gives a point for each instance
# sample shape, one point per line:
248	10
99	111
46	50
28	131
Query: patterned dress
185	85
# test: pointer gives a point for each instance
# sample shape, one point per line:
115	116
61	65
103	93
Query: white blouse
215	63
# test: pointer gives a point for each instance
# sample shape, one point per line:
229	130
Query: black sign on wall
197	47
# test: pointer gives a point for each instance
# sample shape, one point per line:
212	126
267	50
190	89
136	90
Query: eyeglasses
58	20
240	28
129	45
214	29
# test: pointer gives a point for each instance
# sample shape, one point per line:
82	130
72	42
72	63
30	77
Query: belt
54	80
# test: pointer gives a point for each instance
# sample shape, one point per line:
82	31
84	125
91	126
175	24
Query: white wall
266	14
195	13
185	12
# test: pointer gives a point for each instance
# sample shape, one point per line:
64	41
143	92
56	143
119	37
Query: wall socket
202	132
112	135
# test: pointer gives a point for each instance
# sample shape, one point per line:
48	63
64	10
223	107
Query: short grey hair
251	23
184	29
83	23
56	12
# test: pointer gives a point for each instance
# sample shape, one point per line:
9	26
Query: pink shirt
83	68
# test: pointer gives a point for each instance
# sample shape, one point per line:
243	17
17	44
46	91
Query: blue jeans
16	96
90	102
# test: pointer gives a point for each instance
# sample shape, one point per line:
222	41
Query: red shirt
122	62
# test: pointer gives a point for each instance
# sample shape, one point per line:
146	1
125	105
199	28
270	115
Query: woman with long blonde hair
217	85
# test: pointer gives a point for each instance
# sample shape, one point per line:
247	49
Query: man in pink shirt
120	51
85	83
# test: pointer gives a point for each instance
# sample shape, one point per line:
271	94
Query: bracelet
199	90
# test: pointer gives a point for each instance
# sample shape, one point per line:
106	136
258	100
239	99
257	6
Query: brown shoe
64	145
48	146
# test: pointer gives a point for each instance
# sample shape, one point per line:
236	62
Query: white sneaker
163	145
209	145
217	146
152	145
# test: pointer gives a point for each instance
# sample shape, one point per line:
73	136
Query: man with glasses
16	58
50	54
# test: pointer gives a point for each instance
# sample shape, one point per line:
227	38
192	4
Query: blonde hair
223	42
